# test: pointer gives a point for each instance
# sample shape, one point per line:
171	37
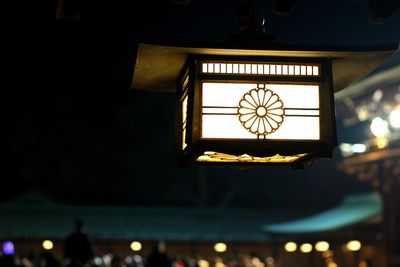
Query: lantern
259	103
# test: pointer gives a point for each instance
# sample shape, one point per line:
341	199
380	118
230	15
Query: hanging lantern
264	103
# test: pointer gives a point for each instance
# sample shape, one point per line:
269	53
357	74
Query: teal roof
353	209
44	219
35	217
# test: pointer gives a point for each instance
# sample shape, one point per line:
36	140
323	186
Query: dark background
75	132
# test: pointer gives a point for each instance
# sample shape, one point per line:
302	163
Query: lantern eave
158	65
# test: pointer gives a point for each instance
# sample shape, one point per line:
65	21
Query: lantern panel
254	111
184	121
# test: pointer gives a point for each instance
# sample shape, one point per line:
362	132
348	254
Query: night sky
77	133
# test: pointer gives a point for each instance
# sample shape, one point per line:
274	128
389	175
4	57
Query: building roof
35	217
353	209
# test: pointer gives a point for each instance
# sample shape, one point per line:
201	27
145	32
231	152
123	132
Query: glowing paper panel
270	111
268	69
184	120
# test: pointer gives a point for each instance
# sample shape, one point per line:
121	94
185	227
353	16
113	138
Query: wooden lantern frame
260	151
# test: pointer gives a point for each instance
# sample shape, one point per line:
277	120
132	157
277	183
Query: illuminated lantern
264	103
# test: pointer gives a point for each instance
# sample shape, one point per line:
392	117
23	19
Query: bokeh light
220	247
394	118
290	246
322	246
136	246
353	245
8	248
306	248
379	127
47	245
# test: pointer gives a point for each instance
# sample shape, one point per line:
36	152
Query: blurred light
349	149
220	247
362	113
26	262
387	107
322	246
47	245
137	259
306	248
256	262
377	96
107	259
8	248
397	97
382	142
203	263
379	127
328	254
394	118
332	264
128	260
97	261
353	245
359	148
136	246
363	264
290	247
219	262
346	149
270	261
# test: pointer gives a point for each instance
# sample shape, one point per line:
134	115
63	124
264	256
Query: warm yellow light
256	262
210	156
379	127
290	247
382	142
322	246
327	254
353	245
306	248
362	113
332	264
203	263
47	245
220	247
136	246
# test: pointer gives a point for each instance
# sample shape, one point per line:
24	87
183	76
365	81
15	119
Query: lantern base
216	157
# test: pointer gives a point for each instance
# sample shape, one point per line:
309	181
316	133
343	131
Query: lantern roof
158	65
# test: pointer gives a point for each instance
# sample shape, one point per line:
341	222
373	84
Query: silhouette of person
78	248
158	257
